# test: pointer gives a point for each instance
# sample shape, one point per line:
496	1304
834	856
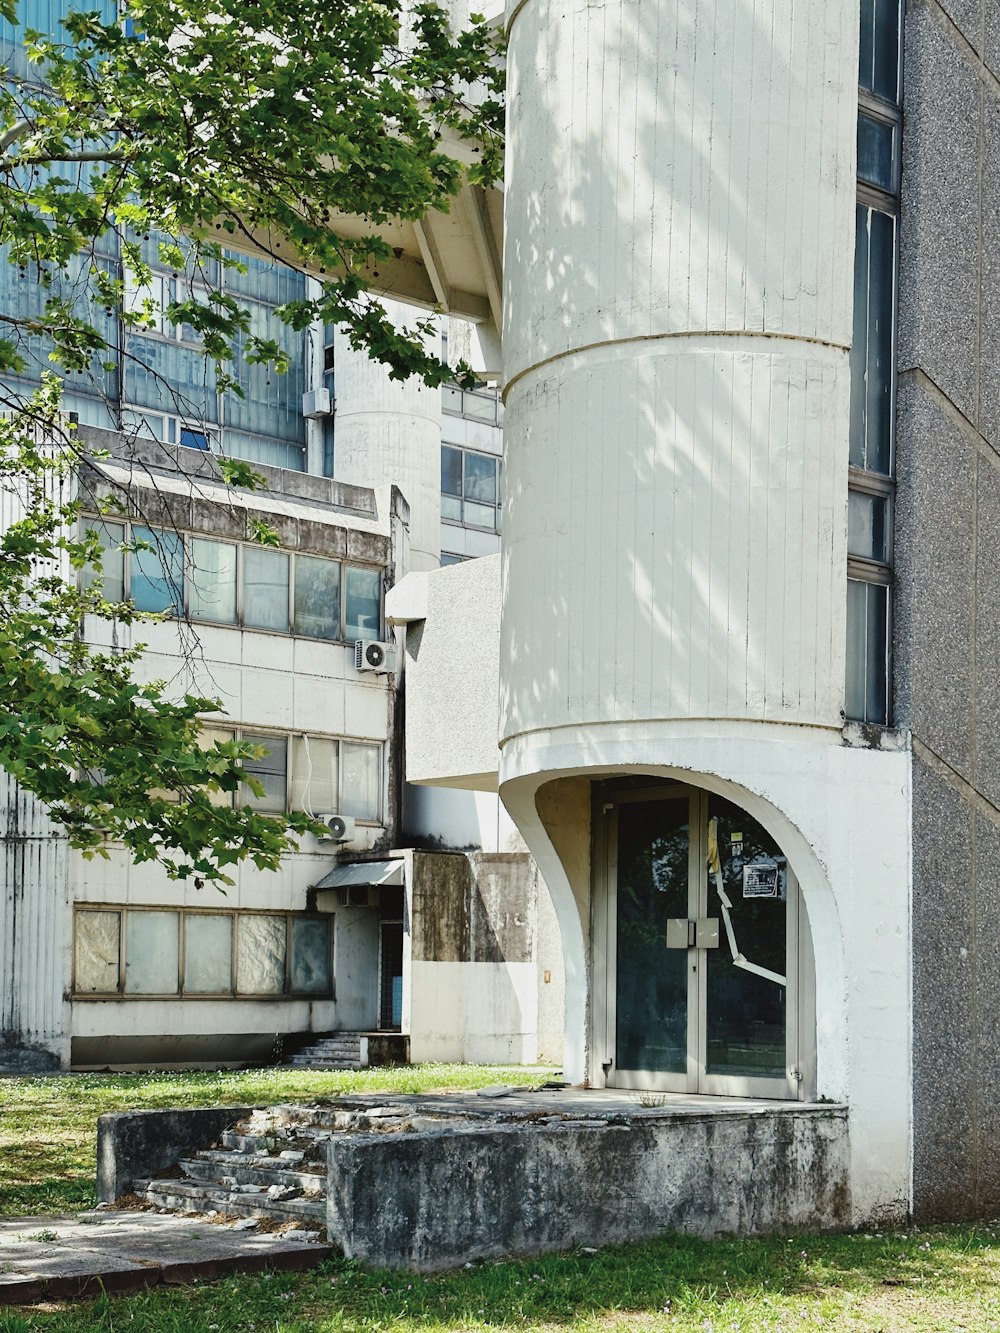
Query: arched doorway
702	964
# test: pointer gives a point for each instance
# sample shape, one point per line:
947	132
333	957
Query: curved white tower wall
678	260
389	432
678	268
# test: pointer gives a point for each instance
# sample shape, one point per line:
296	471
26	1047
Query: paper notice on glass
761	879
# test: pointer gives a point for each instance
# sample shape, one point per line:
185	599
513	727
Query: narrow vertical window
265	588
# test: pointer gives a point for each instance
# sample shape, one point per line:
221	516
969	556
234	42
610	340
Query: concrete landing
55	1258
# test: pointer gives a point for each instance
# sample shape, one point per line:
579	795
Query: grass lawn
938	1280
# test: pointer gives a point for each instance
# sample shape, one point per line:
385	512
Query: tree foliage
192	127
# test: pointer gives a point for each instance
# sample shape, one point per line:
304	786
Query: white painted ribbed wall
678	269
388	432
34	925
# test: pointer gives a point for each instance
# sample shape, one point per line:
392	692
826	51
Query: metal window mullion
181	949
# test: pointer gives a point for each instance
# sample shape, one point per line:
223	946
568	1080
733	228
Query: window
362	603
482	404
229	583
126	952
470	488
265	588
211	580
270	770
317	774
156	570
317	597
873	359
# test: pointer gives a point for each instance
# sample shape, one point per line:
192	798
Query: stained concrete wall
484	1193
947	606
474	974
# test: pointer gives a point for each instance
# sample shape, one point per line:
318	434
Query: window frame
464	500
187	536
123	910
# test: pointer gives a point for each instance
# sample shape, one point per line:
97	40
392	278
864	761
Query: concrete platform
55	1258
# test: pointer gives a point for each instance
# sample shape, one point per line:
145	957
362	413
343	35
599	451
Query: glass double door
696	957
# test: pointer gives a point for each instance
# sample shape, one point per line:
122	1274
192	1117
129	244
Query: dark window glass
875	155
879	71
867	652
193	439
310	970
451	471
871	349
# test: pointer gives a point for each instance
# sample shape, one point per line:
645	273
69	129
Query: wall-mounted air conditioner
316	403
370	655
339	828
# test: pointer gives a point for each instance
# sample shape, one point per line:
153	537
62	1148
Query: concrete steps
272	1166
340	1050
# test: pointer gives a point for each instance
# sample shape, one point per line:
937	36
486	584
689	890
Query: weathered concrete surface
52	1258
434	1200
132	1145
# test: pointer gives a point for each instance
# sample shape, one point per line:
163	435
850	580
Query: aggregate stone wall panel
986	973
986	737
944	1012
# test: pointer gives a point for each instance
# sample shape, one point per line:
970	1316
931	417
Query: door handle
699	933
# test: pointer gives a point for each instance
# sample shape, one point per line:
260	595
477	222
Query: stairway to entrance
335	1050
271	1166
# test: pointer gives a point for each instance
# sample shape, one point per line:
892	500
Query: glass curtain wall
159	384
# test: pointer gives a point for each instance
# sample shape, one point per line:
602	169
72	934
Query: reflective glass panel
98	938
211	580
314	775
310	956
451	507
269	770
746	1011
481	478
879	66
867	652
317	597
451	470
152	951
110	536
362	603
875	155
867	525
260	955
362	779
265	588
872	345
652	887
208	954
156	575
480	516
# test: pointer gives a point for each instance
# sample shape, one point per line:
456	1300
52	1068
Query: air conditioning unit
316	403
339	828
369	655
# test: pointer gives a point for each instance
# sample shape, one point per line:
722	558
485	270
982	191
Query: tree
190	125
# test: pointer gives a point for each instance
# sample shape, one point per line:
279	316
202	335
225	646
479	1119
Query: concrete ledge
133	1145
434	1200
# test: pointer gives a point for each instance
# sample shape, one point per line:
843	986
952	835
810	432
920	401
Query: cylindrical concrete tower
389	432
678	268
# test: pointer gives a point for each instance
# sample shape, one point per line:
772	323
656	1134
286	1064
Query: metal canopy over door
696	929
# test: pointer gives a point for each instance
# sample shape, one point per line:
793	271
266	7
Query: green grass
48	1125
936	1281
